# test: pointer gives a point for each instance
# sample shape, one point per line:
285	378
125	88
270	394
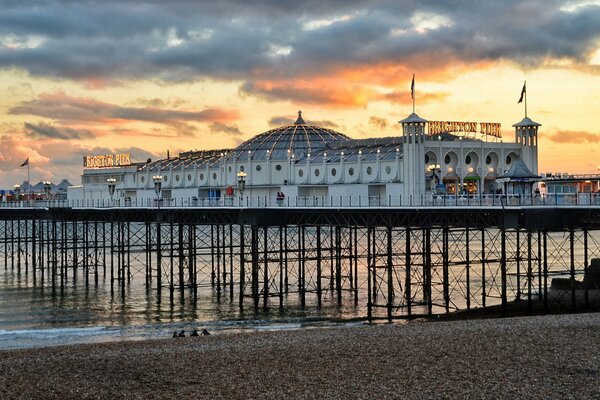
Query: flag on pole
26	162
522	94
412	88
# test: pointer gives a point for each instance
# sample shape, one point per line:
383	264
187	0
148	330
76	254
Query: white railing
575	199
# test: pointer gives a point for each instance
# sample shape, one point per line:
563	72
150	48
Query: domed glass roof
295	140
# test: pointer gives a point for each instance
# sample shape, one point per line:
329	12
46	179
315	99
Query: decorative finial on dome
299	121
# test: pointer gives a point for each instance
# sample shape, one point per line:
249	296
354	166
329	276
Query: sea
34	315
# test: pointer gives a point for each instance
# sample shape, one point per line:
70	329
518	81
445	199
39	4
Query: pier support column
390	274
254	273
319	272
242	265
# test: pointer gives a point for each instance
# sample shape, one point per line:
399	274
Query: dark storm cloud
275	39
48	131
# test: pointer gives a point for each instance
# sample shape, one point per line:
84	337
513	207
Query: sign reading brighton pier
107	161
485	128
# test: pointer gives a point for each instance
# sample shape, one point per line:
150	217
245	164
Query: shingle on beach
530	357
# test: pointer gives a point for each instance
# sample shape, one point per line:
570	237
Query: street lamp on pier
17	190
241	177
47	188
435	169
157	187
112	182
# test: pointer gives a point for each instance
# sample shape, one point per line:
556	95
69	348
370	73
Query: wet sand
530	357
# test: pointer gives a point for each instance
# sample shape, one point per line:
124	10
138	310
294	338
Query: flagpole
413	93
28	176
525	98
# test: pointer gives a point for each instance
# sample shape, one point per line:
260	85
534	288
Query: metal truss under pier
396	262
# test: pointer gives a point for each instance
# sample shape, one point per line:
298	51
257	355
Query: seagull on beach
182	333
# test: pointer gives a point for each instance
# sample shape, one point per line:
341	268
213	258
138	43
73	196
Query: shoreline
544	356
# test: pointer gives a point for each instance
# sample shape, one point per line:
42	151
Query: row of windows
258	168
165	178
488	159
388	170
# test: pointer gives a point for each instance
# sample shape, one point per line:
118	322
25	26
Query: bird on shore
205	333
182	333
195	332
175	334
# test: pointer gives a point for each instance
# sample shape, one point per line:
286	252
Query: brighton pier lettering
107	161
485	128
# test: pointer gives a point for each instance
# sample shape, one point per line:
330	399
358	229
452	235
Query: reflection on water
34	315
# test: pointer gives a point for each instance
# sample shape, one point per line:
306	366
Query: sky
94	77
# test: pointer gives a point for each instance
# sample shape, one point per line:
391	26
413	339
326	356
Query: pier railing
484	200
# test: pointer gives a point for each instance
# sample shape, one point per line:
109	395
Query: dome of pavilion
295	140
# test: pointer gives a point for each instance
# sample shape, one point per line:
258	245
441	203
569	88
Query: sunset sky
101	76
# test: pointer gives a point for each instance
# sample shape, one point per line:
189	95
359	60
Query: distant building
57	191
563	183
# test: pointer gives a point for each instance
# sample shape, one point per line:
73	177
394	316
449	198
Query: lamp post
112	182
47	188
241	177
435	169
157	187
17	188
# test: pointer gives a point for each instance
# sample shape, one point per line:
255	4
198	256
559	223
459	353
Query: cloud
318	91
229	130
378	123
284	120
107	42
72	118
155	102
574	137
43	130
61	107
281	120
52	159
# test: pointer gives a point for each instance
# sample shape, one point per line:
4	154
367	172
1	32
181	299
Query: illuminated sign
485	128
107	161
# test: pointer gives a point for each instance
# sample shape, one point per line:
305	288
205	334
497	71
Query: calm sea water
36	316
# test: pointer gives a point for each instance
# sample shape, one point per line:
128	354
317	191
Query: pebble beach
529	357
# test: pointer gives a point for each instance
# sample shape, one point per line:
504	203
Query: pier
401	262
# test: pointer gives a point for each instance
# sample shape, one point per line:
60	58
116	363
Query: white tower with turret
413	163
526	134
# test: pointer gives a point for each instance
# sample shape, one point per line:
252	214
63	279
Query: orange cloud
74	113
574	137
62	107
357	86
321	90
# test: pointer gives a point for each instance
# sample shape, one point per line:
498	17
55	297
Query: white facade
308	163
